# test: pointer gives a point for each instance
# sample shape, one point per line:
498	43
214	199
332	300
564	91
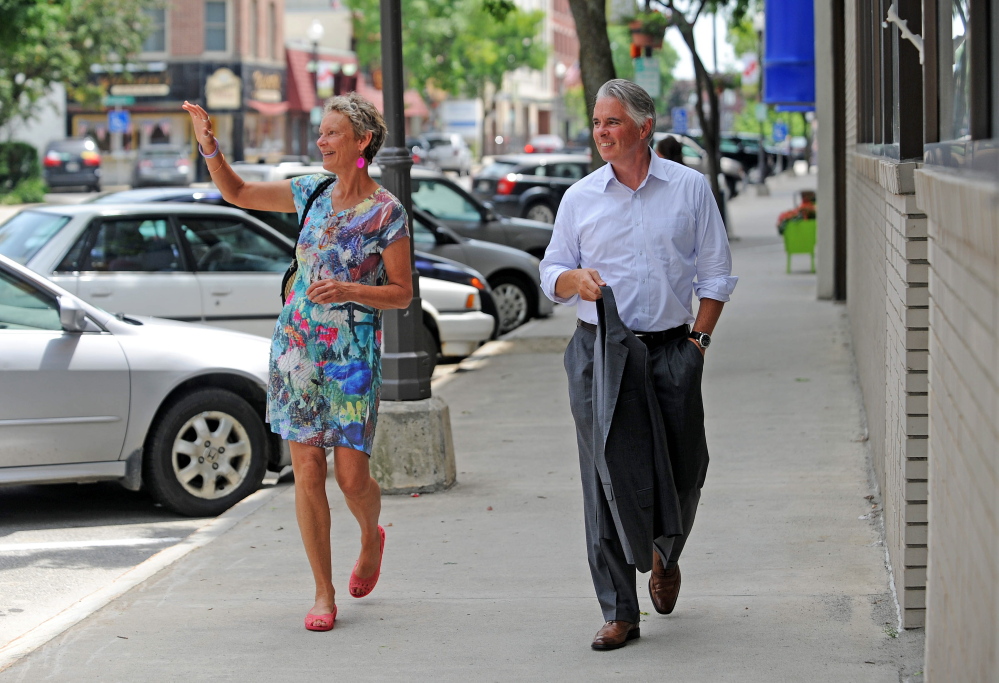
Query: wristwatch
703	339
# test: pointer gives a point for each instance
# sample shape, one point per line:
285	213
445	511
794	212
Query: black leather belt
649	338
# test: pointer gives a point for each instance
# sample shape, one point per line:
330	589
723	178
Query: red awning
415	106
302	82
268	108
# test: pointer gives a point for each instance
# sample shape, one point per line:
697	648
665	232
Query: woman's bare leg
312	509
364	499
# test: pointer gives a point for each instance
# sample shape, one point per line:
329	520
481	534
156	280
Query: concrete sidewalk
784	576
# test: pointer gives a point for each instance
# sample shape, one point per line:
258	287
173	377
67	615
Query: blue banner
789	58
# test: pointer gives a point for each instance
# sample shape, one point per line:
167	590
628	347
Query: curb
26	643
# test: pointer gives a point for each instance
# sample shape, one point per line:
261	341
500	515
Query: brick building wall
887	297
962	633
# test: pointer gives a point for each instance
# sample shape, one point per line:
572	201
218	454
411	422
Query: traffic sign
780	131
119	121
117	100
647	75
679	115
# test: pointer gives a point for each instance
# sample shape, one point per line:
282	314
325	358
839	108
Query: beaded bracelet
213	154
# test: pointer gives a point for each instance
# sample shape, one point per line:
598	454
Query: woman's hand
330	291
202	127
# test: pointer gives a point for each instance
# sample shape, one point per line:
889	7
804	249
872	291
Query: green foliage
653	23
745	122
18	162
30	191
742	36
620	42
49	41
457	46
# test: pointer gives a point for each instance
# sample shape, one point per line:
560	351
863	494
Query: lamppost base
413	450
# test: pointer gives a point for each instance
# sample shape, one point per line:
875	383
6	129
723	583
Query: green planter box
799	238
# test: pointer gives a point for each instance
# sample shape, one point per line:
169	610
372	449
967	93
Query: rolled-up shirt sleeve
561	255
714	258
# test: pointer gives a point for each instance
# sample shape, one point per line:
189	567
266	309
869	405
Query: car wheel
513	301
539	211
208	452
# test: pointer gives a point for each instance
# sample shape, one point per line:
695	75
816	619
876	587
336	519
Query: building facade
227	55
908	99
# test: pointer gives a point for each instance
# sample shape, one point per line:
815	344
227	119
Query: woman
325	368
670	148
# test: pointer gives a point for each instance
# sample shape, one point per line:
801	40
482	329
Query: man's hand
586	282
699	347
329	291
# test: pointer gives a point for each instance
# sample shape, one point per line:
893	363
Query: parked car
449	152
544	144
287	224
194	263
529	185
162	165
447	202
281	171
440	268
172	408
696	157
512	274
73	162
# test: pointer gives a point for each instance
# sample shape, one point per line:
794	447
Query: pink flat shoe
360	587
326	619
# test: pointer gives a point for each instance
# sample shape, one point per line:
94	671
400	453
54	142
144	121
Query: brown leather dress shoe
664	586
615	634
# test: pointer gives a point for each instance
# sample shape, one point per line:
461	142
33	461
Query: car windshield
23	235
438	142
168	152
498	169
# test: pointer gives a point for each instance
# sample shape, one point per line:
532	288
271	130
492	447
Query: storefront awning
413	102
789	60
302	82
268	108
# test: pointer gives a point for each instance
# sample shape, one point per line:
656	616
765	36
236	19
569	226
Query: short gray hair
363	117
634	99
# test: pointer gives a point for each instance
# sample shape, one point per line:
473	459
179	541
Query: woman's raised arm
270	196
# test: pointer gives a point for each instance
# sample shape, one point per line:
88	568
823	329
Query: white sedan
198	263
173	408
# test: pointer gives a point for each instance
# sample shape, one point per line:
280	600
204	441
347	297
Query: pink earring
360	162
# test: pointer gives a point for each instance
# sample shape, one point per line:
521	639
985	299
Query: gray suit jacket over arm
629	439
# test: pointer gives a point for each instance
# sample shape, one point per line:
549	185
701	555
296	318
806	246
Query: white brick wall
887	297
962	631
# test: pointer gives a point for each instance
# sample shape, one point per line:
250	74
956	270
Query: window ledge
897	177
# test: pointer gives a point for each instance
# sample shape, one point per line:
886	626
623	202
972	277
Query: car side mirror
490	211
445	235
71	316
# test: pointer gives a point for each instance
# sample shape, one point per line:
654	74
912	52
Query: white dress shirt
655	246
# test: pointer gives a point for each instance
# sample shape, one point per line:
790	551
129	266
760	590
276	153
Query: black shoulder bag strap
289	275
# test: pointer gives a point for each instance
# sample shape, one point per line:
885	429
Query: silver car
512	273
173	408
448	152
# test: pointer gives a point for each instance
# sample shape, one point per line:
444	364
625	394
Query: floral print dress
325	366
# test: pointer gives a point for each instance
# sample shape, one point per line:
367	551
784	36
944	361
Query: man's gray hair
634	99
363	117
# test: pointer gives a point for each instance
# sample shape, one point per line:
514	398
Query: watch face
704	339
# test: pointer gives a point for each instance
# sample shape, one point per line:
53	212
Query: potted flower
648	29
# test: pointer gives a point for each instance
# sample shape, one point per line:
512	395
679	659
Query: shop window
215	26
272	40
954	70
156	40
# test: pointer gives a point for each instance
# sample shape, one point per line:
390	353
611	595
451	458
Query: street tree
460	47
43	42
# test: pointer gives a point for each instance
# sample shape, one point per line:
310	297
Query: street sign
647	75
118	100
679	115
119	121
780	131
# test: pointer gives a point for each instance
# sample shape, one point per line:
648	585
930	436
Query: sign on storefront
223	90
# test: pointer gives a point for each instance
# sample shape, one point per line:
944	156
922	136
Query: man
650	229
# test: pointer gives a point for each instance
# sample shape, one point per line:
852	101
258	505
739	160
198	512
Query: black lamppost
315	34
405	364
